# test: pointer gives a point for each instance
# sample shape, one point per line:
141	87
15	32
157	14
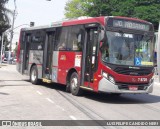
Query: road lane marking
56	105
73	118
60	107
50	100
39	92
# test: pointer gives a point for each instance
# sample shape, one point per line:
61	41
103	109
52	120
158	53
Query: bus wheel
68	87
74	84
34	75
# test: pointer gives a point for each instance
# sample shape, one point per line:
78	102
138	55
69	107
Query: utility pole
2	39
11	37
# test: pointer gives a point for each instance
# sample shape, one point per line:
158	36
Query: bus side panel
67	61
36	57
19	65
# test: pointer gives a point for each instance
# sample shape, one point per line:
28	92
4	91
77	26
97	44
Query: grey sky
42	12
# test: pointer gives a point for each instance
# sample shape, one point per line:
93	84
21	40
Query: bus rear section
103	54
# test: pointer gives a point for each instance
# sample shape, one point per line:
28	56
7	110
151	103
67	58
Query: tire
34	75
68	87
75	85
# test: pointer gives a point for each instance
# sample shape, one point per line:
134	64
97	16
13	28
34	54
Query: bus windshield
128	49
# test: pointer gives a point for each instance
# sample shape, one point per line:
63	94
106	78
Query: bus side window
62	41
69	38
79	42
75	38
37	40
22	40
57	38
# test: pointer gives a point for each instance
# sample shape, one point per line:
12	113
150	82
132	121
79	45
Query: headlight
108	77
104	74
111	79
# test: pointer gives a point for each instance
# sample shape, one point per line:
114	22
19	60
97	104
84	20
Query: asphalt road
20	100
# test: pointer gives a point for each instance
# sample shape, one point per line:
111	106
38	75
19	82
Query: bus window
69	38
37	40
22	40
63	39
75	38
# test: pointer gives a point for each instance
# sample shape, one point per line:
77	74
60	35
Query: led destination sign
130	25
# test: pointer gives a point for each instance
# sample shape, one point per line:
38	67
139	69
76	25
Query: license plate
133	88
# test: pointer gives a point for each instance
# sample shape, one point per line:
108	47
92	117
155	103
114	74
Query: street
20	100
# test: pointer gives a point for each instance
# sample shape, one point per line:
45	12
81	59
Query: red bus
110	54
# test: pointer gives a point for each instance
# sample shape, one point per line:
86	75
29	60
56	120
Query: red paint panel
127	78
66	61
132	79
19	48
85	21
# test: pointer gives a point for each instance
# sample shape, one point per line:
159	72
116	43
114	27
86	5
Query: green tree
6	43
4	18
74	9
144	9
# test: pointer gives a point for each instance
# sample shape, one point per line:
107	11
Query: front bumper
108	87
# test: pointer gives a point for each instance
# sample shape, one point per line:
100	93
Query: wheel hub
33	75
74	83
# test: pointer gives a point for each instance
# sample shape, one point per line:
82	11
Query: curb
3	65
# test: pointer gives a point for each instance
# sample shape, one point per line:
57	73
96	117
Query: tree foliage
74	9
144	9
4	19
6	43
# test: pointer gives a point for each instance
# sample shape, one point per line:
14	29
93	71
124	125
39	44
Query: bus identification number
142	79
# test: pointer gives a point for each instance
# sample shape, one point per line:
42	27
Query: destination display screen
128	24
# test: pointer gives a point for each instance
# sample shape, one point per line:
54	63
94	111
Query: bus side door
90	56
48	54
23	57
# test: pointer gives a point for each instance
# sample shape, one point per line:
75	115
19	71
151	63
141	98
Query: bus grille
133	72
126	87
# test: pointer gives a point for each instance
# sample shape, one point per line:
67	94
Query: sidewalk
156	79
1	65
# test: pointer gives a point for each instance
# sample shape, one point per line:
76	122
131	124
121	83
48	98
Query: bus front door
90	57
47	58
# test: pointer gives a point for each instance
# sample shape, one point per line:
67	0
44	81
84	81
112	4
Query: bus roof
85	21
132	18
99	20
82	20
36	28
